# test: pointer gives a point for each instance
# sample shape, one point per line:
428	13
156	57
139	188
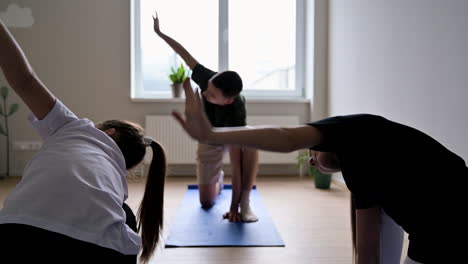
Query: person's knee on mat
206	204
207	201
208	193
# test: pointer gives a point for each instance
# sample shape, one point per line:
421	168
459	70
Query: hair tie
147	141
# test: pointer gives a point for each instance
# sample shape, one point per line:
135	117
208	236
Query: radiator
181	149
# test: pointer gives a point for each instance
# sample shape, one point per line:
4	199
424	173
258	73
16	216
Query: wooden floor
313	223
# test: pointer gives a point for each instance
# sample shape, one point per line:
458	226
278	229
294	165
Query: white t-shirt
75	185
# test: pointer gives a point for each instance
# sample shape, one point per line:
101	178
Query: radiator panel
181	149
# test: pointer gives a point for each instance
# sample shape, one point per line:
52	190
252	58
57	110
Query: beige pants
209	163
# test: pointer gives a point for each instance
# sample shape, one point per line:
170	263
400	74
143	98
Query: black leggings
23	243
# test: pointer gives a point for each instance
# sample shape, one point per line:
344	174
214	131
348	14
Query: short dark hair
229	82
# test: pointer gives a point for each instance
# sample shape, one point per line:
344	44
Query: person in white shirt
70	200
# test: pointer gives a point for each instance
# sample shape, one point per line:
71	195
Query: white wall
405	60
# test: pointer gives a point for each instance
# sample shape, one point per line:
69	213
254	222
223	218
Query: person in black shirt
225	107
386	165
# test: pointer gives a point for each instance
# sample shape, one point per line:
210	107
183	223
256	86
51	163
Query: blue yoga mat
198	227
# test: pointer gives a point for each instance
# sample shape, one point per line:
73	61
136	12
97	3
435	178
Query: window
262	40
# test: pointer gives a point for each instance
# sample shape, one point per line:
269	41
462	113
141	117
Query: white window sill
256	101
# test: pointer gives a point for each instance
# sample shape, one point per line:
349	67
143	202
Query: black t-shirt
418	182
230	115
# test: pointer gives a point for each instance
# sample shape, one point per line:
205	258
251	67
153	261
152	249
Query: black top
230	115
418	182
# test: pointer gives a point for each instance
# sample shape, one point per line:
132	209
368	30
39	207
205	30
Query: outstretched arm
179	49
21	77
269	138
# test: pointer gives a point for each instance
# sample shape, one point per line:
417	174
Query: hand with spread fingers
156	24
195	122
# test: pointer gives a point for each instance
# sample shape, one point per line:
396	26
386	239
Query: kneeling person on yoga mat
225	107
386	165
70	200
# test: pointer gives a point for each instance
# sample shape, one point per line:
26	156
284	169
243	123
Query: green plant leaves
4	92
180	71
173	78
2	131
13	109
179	75
302	158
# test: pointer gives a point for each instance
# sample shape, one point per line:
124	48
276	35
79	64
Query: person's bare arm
271	138
176	46
268	138
21	77
368	223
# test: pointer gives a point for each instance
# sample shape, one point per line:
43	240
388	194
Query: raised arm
179	49
21	77
269	138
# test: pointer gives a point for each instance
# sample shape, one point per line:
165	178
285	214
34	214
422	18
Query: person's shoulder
239	102
201	75
362	118
240	99
351	120
200	68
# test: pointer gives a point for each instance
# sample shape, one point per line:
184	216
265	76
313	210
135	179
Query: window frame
136	91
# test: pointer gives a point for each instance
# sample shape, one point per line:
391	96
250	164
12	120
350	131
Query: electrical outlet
27	145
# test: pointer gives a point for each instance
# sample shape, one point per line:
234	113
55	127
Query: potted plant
321	180
4	131
302	161
177	77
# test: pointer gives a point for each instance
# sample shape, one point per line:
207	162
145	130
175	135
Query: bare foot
247	215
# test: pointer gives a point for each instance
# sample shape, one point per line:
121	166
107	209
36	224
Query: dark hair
150	213
229	82
130	139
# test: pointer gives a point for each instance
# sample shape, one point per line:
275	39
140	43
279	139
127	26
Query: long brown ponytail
150	213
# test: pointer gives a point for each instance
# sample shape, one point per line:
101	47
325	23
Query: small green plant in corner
6	112
321	180
302	160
